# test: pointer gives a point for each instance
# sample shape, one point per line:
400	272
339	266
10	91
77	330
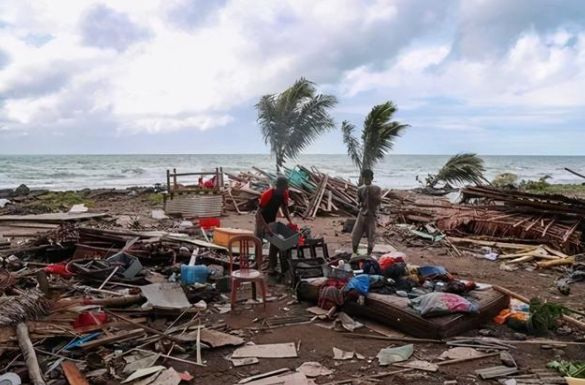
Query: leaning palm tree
378	135
460	168
293	119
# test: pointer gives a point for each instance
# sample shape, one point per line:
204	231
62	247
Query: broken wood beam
30	357
72	373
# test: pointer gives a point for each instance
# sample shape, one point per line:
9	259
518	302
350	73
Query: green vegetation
378	135
59	201
459	169
569	369
155	199
506	179
293	119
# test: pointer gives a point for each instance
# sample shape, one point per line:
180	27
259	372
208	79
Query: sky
495	77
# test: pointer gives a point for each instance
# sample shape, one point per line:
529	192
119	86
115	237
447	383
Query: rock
546	347
22	190
450	382
564	331
487	332
558	352
519	336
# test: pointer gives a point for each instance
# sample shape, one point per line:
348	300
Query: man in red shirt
271	201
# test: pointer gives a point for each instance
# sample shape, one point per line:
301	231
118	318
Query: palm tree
293	119
378	135
460	168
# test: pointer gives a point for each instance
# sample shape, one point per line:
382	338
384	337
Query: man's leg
371	233
356	233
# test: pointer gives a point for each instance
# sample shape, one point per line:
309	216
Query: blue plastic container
194	274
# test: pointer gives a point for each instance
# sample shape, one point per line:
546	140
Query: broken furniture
395	312
194	200
245	273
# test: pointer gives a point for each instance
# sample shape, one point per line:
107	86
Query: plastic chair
245	273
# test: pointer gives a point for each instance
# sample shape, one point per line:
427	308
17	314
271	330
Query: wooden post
174	179
30	357
169	181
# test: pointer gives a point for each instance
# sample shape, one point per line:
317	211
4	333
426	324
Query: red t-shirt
270	201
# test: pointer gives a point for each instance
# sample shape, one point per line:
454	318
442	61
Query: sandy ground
316	343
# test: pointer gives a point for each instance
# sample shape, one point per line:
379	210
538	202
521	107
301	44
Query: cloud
154	68
104	27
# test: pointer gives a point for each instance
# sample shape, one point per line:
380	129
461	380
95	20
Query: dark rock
22	190
519	336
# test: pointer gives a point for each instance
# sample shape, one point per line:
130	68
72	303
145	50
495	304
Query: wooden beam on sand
30	357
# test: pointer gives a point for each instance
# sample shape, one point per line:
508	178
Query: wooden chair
246	243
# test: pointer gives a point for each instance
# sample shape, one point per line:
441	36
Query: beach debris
216	338
419	365
237	362
72	373
342	355
158	214
313	369
347	322
140	373
10	379
78	208
169	295
459	353
263	375
283	350
392	355
495	372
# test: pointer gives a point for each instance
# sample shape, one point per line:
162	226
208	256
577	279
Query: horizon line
264	154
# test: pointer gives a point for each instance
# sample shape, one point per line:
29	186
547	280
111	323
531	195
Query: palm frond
461	168
379	133
311	120
293	119
354	149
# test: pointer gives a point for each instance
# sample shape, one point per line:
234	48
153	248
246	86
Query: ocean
74	172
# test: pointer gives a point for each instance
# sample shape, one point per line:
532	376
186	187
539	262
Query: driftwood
28	351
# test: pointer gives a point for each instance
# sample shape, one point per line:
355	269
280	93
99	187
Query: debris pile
312	192
499	215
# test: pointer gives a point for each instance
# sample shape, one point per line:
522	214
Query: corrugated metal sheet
194	205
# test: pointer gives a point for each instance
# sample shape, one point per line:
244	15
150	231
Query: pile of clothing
431	289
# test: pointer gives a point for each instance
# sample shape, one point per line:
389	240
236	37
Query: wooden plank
72	373
284	350
51	217
114	338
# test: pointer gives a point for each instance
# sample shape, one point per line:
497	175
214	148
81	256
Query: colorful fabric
330	296
371	267
389	259
436	304
359	283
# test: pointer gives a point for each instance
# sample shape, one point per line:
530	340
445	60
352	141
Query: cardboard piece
168	295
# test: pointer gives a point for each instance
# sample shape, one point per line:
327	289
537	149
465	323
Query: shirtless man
369	197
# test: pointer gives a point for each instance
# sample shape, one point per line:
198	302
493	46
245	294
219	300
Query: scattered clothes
371	267
329	297
359	283
459	287
389	356
395	271
436	304
434	273
390	259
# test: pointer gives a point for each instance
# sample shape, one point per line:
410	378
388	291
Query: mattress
394	311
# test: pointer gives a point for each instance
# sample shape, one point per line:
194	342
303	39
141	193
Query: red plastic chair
245	273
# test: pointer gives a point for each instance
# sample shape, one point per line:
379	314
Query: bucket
194	274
